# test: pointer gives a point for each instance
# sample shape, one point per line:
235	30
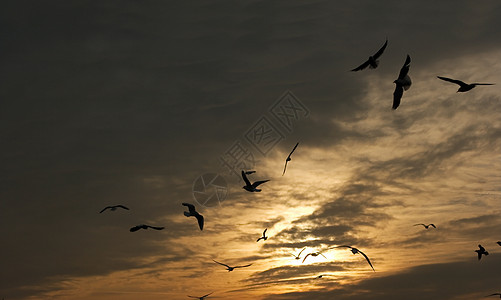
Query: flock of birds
402	83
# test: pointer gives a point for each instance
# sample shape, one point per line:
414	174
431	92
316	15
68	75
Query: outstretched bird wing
301	251
154	227
247	182
306	256
136	228
380	51
362	66
368	260
405	68
206	295
242	266
221	264
105	209
285	167
264	232
293	149
121	206
433	225
200	220
397	95
255	184
458	82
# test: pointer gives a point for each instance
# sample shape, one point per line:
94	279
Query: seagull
480	251
426	226
251	187
314	254
264	237
355	251
289	158
298	256
200	298
372	61
193	213
463	87
403	82
495	294
113	208
143	226
231	268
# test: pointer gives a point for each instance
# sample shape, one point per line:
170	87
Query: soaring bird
113	208
299	255
143	226
314	254
251	187
200	298
193	213
426	226
355	251
480	251
264	237
231	268
463	87
288	159
495	294
372	61
403	82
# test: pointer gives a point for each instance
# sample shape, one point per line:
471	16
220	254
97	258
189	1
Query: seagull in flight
313	254
372	62
264	237
355	251
463	87
251	187
495	294
113	208
143	226
426	226
403	82
193	213
298	256
200	298
288	159
231	268
480	251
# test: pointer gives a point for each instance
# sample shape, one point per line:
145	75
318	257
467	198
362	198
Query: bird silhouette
288	159
499	243
264	237
355	251
251	187
113	208
426	226
193	213
463	87
372	62
231	268
403	82
314	254
143	226
202	297
298	256
495	294
480	251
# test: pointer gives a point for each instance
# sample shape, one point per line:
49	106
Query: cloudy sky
151	104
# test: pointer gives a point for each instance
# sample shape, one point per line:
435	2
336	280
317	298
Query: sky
150	104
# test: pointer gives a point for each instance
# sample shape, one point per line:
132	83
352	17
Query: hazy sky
129	102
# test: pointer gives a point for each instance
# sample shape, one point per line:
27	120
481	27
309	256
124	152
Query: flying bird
495	294
372	61
480	251
193	213
313	254
499	243
426	226
251	187
288	159
231	268
463	87
113	208
200	298
298	256
403	82
355	251
143	226
264	237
